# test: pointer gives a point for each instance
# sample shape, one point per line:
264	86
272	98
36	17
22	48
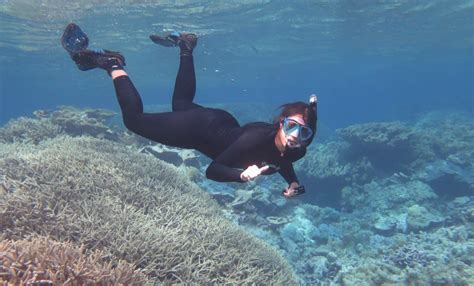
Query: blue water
368	61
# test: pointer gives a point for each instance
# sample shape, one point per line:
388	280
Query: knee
175	105
178	105
130	123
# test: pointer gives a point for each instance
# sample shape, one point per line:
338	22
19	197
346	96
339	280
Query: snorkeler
239	153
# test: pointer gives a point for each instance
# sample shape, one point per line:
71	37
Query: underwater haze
389	177
367	60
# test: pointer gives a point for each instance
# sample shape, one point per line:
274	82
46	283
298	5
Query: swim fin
168	40
104	59
74	40
185	41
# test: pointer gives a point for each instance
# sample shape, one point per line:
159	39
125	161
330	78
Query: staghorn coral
28	130
65	120
407	256
442	257
78	122
43	261
132	207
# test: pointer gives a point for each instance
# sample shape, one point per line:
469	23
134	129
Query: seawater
373	185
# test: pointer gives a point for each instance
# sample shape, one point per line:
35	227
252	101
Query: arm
219	169
288	173
221	173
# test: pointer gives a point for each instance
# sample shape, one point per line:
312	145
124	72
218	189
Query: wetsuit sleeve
288	173
219	169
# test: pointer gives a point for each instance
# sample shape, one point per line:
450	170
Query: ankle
185	51
118	73
113	64
186	54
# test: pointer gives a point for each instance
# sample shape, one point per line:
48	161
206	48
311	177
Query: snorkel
303	133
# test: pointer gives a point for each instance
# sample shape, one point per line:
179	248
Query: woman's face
291	138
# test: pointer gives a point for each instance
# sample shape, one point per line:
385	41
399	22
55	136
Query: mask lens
290	125
305	133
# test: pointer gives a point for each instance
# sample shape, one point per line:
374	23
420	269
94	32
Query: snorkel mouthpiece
292	145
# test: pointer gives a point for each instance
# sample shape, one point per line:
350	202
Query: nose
294	134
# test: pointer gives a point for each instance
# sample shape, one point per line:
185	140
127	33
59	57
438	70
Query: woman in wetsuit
239	153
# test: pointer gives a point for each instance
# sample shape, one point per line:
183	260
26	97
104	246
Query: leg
185	85
180	129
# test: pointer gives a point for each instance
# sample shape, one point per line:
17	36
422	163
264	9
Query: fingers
252	172
289	193
264	168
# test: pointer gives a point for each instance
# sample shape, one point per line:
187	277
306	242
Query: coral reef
172	155
402	207
385	144
329	162
442	257
400	197
42	261
28	130
132	207
65	120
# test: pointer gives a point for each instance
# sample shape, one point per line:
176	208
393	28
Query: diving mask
292	128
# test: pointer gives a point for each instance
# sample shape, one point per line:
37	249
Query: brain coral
132	207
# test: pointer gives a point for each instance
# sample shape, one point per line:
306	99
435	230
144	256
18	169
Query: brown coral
133	207
46	262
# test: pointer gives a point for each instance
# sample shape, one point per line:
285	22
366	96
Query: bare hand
252	172
290	191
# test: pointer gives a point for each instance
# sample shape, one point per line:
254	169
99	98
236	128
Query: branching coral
41	261
65	120
28	130
84	122
407	256
132	207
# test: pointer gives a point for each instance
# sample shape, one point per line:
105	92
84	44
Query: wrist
293	185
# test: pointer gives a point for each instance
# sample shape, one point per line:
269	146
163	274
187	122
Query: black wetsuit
214	132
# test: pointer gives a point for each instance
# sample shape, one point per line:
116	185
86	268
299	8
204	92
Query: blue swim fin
74	40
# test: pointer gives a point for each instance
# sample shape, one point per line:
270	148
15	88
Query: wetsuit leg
188	126
185	85
180	128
